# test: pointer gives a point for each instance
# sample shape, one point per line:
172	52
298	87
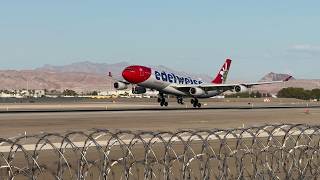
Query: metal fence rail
284	151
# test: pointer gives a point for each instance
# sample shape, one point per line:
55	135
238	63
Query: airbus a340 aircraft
142	77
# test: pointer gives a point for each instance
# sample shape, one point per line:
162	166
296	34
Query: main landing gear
180	100
195	103
162	100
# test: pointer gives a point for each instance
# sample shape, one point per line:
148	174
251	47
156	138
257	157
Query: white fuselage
166	82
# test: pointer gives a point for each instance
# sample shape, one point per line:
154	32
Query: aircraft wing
224	87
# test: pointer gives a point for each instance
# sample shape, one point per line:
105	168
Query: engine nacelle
240	89
195	91
120	86
139	90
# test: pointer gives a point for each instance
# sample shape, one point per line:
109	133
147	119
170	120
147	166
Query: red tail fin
223	73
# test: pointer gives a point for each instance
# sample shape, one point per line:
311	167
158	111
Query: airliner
168	83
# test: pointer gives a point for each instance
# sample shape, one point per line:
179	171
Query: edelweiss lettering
172	78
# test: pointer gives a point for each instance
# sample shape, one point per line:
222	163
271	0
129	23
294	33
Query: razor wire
283	151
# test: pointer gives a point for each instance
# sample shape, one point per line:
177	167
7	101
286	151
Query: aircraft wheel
180	101
161	103
194	105
199	105
166	103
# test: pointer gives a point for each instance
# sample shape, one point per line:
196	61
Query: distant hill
35	79
274	88
86	67
82	76
88	76
301	83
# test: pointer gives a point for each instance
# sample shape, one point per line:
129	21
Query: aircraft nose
128	73
136	74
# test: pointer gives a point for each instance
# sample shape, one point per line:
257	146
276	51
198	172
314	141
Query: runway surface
13	124
130	106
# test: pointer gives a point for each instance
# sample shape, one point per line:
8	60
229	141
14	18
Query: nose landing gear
195	103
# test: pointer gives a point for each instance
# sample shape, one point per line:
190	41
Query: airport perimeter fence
285	151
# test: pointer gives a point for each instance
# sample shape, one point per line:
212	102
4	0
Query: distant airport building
5	95
218	97
116	93
151	93
53	94
10	95
24	93
39	93
128	93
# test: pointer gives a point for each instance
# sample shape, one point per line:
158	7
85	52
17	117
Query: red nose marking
136	74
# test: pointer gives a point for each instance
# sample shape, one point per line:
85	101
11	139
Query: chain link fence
284	151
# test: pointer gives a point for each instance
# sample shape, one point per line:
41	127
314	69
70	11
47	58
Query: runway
101	107
12	124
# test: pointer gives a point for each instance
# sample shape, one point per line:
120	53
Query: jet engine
120	86
139	90
195	91
240	89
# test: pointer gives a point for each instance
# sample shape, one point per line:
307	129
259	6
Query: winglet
110	74
287	79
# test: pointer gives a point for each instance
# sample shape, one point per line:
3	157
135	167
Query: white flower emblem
224	72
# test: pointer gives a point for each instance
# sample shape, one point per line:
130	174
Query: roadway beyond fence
284	151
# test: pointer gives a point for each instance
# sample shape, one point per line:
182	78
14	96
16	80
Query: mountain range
86	67
81	77
87	76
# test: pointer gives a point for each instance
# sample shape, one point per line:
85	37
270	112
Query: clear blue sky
188	35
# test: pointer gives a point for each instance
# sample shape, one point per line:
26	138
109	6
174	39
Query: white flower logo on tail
224	72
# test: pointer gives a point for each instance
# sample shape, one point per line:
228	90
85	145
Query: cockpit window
130	69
